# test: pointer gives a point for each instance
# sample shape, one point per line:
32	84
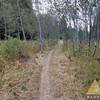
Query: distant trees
17	19
97	21
74	20
82	19
63	28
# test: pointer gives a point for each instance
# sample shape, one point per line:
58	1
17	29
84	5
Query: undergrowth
89	68
13	49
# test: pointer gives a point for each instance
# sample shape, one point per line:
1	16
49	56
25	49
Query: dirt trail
58	81
45	87
63	72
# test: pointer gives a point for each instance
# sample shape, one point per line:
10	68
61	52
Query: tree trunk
21	20
39	25
5	24
40	33
17	25
90	20
86	26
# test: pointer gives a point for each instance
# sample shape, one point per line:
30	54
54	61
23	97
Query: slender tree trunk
75	26
98	21
18	33
86	26
39	25
40	33
5	24
90	19
21	20
17	25
22	28
5	28
31	35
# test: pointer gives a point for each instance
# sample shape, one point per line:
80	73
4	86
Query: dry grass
21	80
63	80
71	79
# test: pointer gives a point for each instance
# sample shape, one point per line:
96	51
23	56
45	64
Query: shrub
13	49
28	49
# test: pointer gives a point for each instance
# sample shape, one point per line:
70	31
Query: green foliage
25	4
10	14
14	49
88	67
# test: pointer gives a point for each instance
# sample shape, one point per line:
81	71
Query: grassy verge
20	69
85	60
21	81
71	75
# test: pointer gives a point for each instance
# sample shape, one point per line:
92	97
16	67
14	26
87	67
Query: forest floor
50	75
21	80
